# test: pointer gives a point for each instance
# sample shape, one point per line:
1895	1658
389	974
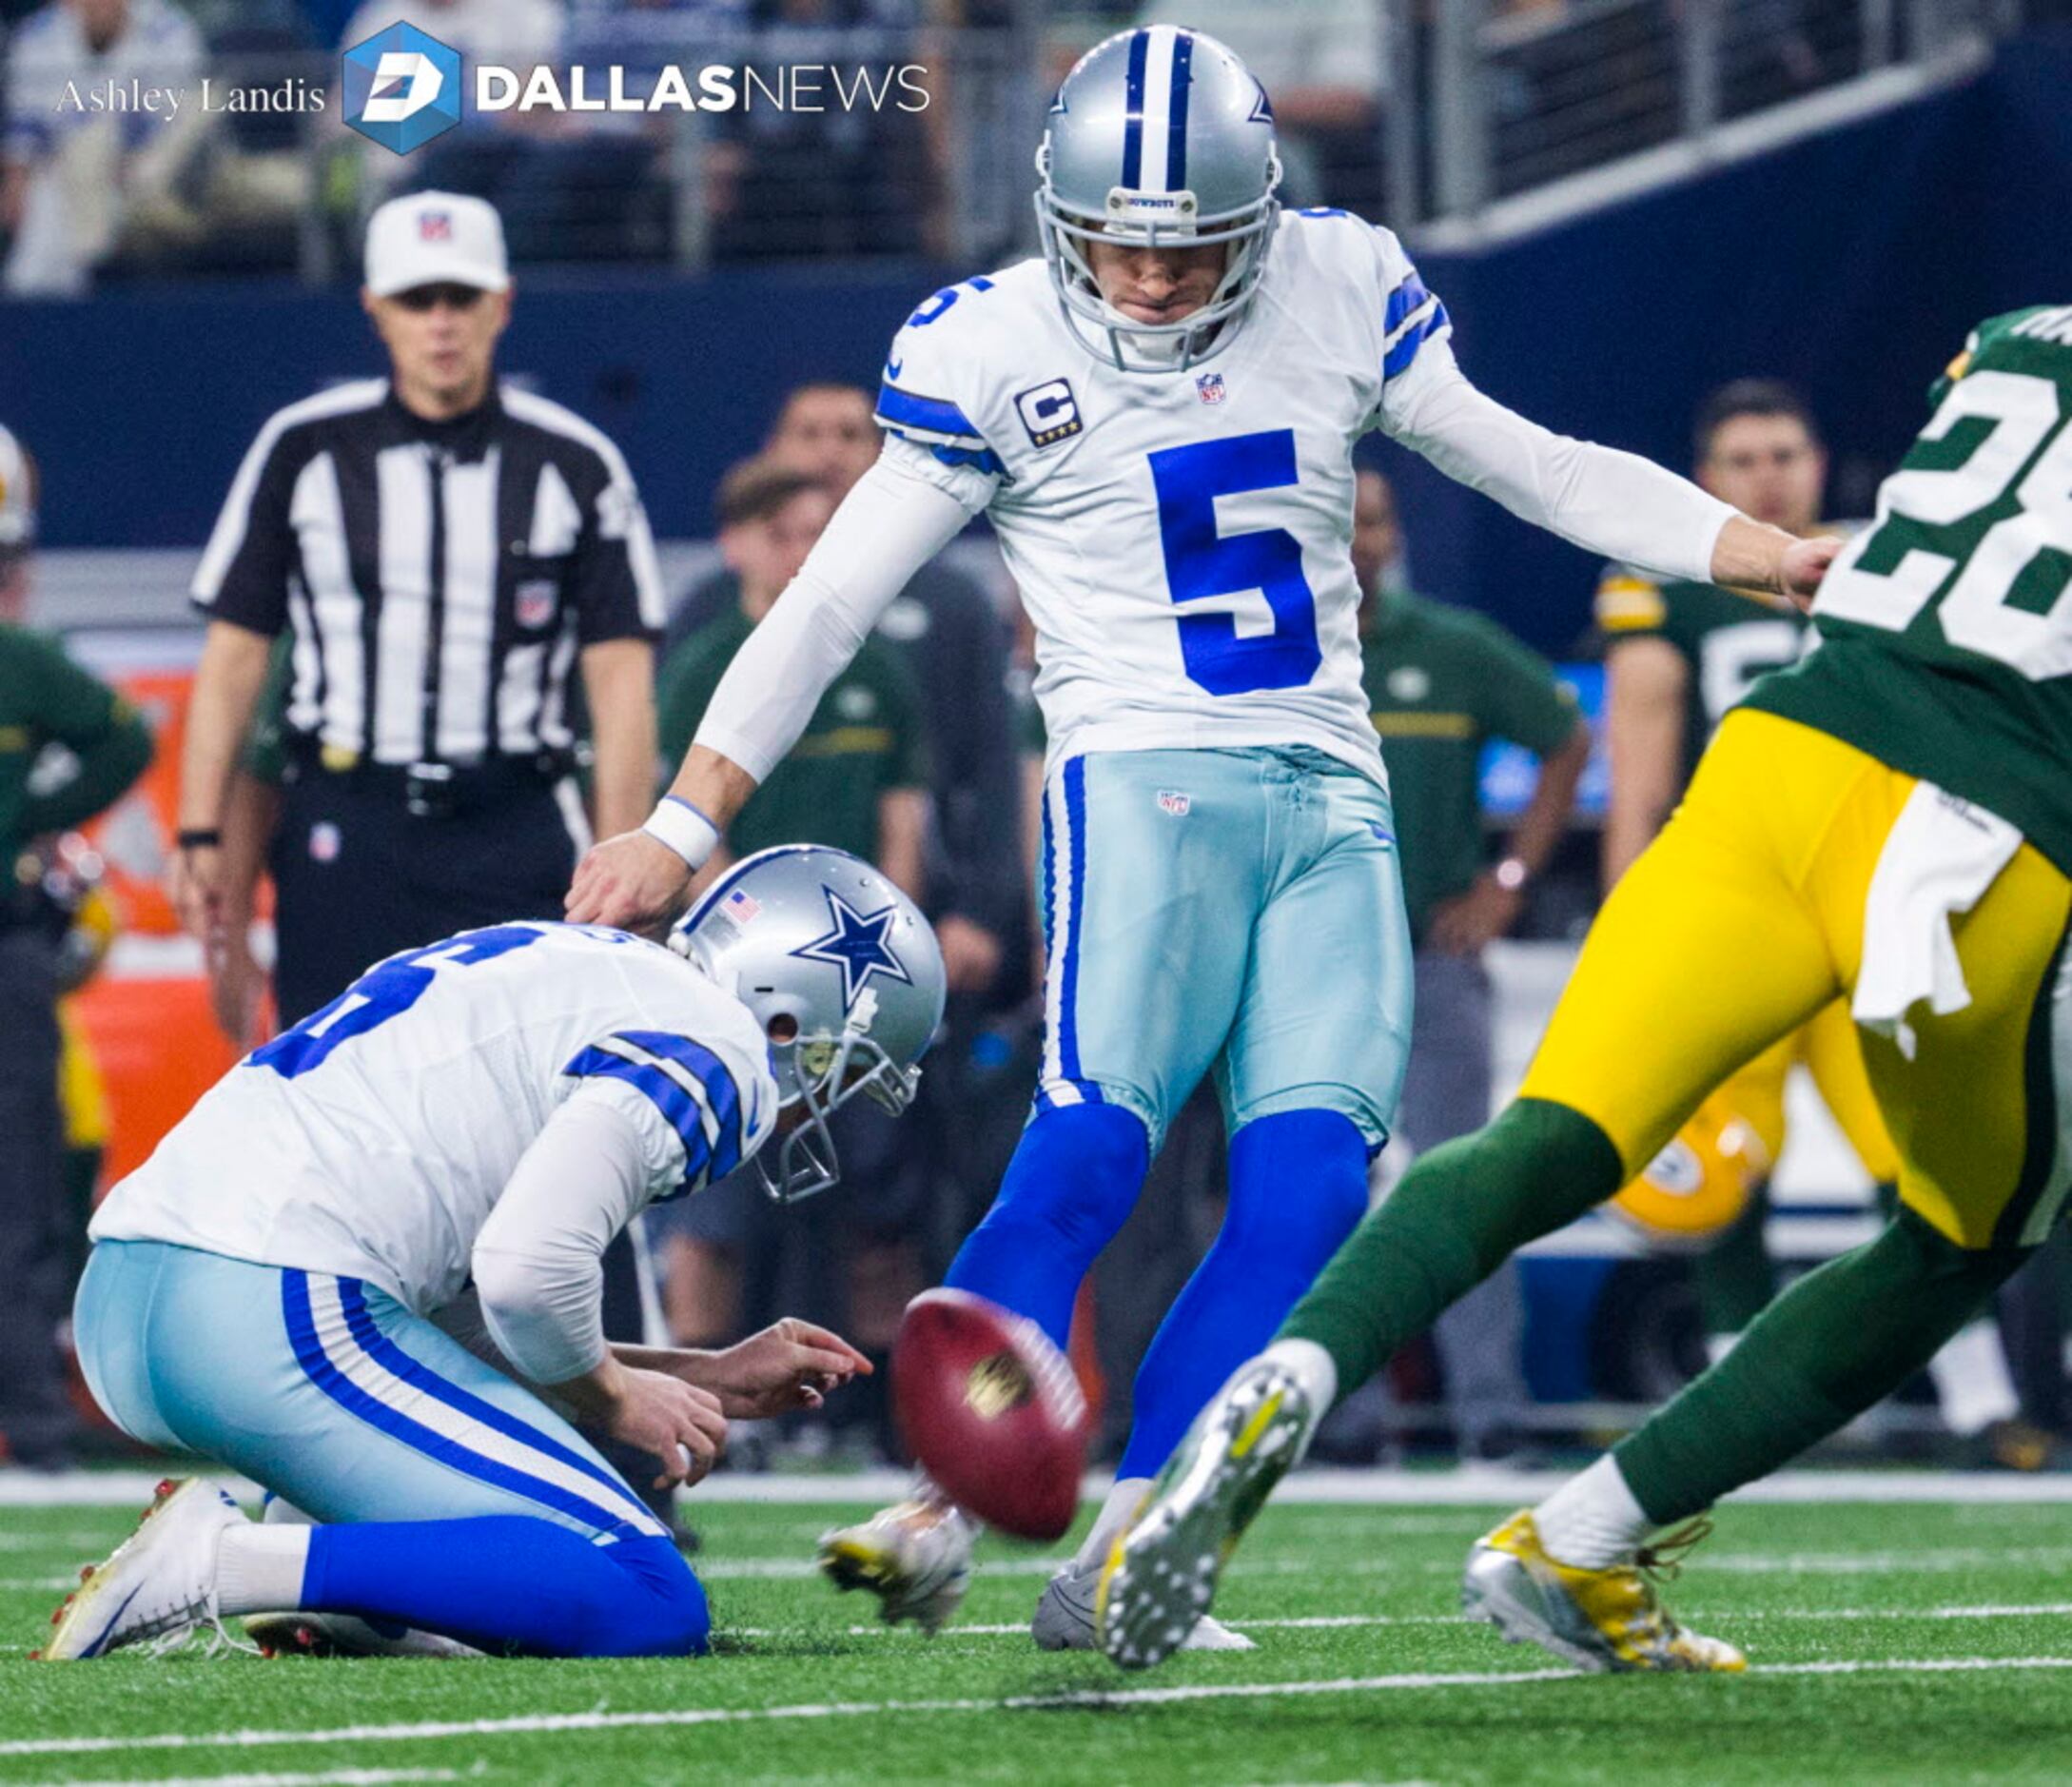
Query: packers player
1679	656
1889	819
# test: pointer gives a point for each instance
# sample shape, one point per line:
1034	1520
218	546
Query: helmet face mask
1158	138
844	980
827	1071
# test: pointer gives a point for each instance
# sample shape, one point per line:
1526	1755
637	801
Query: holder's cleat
346	1635
1602	1620
158	1586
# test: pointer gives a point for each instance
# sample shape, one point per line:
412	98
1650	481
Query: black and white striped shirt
440	577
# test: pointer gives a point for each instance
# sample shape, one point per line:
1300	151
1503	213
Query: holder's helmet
843	975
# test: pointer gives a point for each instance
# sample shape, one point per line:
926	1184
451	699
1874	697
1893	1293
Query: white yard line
1353	1622
559	1722
329	1777
1930	1560
1472	1487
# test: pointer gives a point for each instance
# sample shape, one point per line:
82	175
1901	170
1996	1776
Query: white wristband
684	829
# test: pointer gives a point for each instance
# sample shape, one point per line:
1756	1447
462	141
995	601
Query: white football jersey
1182	540
374	1138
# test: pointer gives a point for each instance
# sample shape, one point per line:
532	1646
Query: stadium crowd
97	182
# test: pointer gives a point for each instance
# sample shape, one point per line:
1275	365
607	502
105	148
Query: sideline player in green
45	699
1889	819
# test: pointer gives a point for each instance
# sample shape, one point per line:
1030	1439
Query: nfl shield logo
434	226
532	604
1210	387
1172	801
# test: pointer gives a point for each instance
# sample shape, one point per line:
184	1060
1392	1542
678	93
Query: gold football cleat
1601	1620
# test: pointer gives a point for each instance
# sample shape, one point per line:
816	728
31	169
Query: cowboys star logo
859	944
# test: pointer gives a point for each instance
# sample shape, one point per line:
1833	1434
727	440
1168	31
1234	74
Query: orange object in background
145	1014
159	1050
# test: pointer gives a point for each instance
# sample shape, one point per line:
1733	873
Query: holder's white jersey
374	1139
1182	540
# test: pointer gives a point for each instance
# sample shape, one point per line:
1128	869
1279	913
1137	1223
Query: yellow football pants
1745	917
1834	1054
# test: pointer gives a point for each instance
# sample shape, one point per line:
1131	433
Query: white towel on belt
1939	858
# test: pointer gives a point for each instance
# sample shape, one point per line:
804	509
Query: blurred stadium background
1624	203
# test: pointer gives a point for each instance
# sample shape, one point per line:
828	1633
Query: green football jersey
1727	640
1947	628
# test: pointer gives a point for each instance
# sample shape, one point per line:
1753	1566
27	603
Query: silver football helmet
1159	135
844	978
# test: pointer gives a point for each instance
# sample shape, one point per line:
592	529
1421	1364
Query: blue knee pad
1298	1188
1071	1184
506	1582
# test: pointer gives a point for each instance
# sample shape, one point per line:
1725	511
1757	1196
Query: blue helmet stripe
1140	45
1176	130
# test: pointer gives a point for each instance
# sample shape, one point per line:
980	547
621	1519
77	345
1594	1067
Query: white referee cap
430	238
17	494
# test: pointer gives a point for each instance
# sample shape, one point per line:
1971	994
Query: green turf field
1925	1642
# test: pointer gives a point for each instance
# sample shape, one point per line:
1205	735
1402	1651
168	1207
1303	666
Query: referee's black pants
35	1247
357	876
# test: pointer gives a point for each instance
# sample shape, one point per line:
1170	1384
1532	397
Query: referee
445	551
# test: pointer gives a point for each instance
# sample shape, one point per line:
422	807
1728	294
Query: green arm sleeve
111	742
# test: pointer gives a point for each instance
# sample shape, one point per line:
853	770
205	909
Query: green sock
1735	1276
1457	1216
1836	1342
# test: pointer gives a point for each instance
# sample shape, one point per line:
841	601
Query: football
991	1409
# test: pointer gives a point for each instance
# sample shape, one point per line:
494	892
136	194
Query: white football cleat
1064	1617
346	1635
1160	1577
915	1556
158	1586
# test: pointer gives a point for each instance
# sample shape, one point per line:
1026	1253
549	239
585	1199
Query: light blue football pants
448	1495
1240	911
1234	911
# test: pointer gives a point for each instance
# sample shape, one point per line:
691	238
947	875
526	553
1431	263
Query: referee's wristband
684	829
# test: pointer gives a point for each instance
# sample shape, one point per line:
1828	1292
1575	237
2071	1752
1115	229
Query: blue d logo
403	88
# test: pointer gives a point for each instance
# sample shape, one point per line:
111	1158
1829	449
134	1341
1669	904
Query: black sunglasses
454	297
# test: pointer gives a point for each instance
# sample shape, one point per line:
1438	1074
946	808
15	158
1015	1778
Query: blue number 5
383	993
1200	561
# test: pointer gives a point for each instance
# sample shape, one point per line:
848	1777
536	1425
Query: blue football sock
1298	1188
1071	1184
505	1580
